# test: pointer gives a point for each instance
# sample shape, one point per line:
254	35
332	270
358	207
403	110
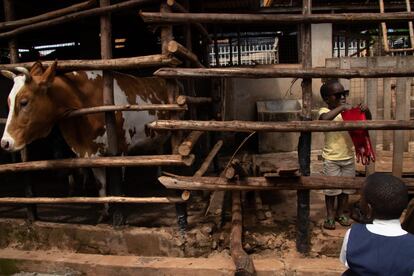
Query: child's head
333	93
387	195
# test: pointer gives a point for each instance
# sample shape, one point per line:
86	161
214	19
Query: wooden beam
261	183
107	64
238	72
206	163
292	126
183	100
233	18
88	200
117	161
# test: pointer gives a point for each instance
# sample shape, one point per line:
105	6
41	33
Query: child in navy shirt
383	247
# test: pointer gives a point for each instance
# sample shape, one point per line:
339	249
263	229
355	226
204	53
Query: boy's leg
347	169
330	168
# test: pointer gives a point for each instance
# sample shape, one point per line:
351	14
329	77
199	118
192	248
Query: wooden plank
387	135
372	100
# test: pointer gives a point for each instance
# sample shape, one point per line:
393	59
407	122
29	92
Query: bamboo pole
88	200
185	148
234	18
107	64
46	16
183	100
243	262
75	16
237	72
179	50
292	126
117	161
178	7
316	182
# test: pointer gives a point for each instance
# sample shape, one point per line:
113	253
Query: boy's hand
346	106
363	107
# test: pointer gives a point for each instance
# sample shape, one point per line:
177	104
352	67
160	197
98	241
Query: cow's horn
25	72
8	74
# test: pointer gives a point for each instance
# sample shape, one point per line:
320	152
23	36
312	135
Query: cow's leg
100	176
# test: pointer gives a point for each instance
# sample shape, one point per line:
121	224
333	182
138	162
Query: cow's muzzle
7	143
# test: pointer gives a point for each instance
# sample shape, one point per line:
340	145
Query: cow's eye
23	102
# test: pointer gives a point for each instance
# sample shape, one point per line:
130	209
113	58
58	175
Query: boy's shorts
339	168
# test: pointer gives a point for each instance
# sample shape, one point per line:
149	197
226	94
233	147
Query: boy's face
336	96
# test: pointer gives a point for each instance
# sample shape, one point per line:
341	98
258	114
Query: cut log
179	50
183	100
187	145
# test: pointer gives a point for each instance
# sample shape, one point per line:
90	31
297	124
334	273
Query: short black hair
387	195
327	86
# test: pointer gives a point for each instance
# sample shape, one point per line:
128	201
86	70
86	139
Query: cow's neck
79	131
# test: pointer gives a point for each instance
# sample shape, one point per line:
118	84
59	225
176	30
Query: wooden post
243	262
113	175
31	210
387	112
398	143
372	99
305	139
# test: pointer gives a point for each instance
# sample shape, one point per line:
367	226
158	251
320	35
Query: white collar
388	228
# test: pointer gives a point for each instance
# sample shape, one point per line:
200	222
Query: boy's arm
364	108
334	112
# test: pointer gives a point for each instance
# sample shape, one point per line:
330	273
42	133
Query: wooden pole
179	8
398	143
132	107
74	17
107	64
387	112
179	50
46	16
206	164
314	182
305	139
117	161
372	103
243	262
185	148
280	72
9	16
88	200
292	126
269	19
183	100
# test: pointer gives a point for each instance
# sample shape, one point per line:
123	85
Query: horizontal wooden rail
116	161
262	183
292	126
132	107
278	72
87	200
233	18
75	16
183	100
46	16
107	64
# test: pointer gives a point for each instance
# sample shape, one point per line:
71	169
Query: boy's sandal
343	220
329	224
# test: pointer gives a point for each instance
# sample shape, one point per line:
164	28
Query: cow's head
30	107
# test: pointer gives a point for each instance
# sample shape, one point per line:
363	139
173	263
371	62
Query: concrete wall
242	94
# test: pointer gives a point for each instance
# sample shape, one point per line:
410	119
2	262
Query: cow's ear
48	76
37	69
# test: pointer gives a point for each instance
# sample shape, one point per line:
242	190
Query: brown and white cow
40	99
